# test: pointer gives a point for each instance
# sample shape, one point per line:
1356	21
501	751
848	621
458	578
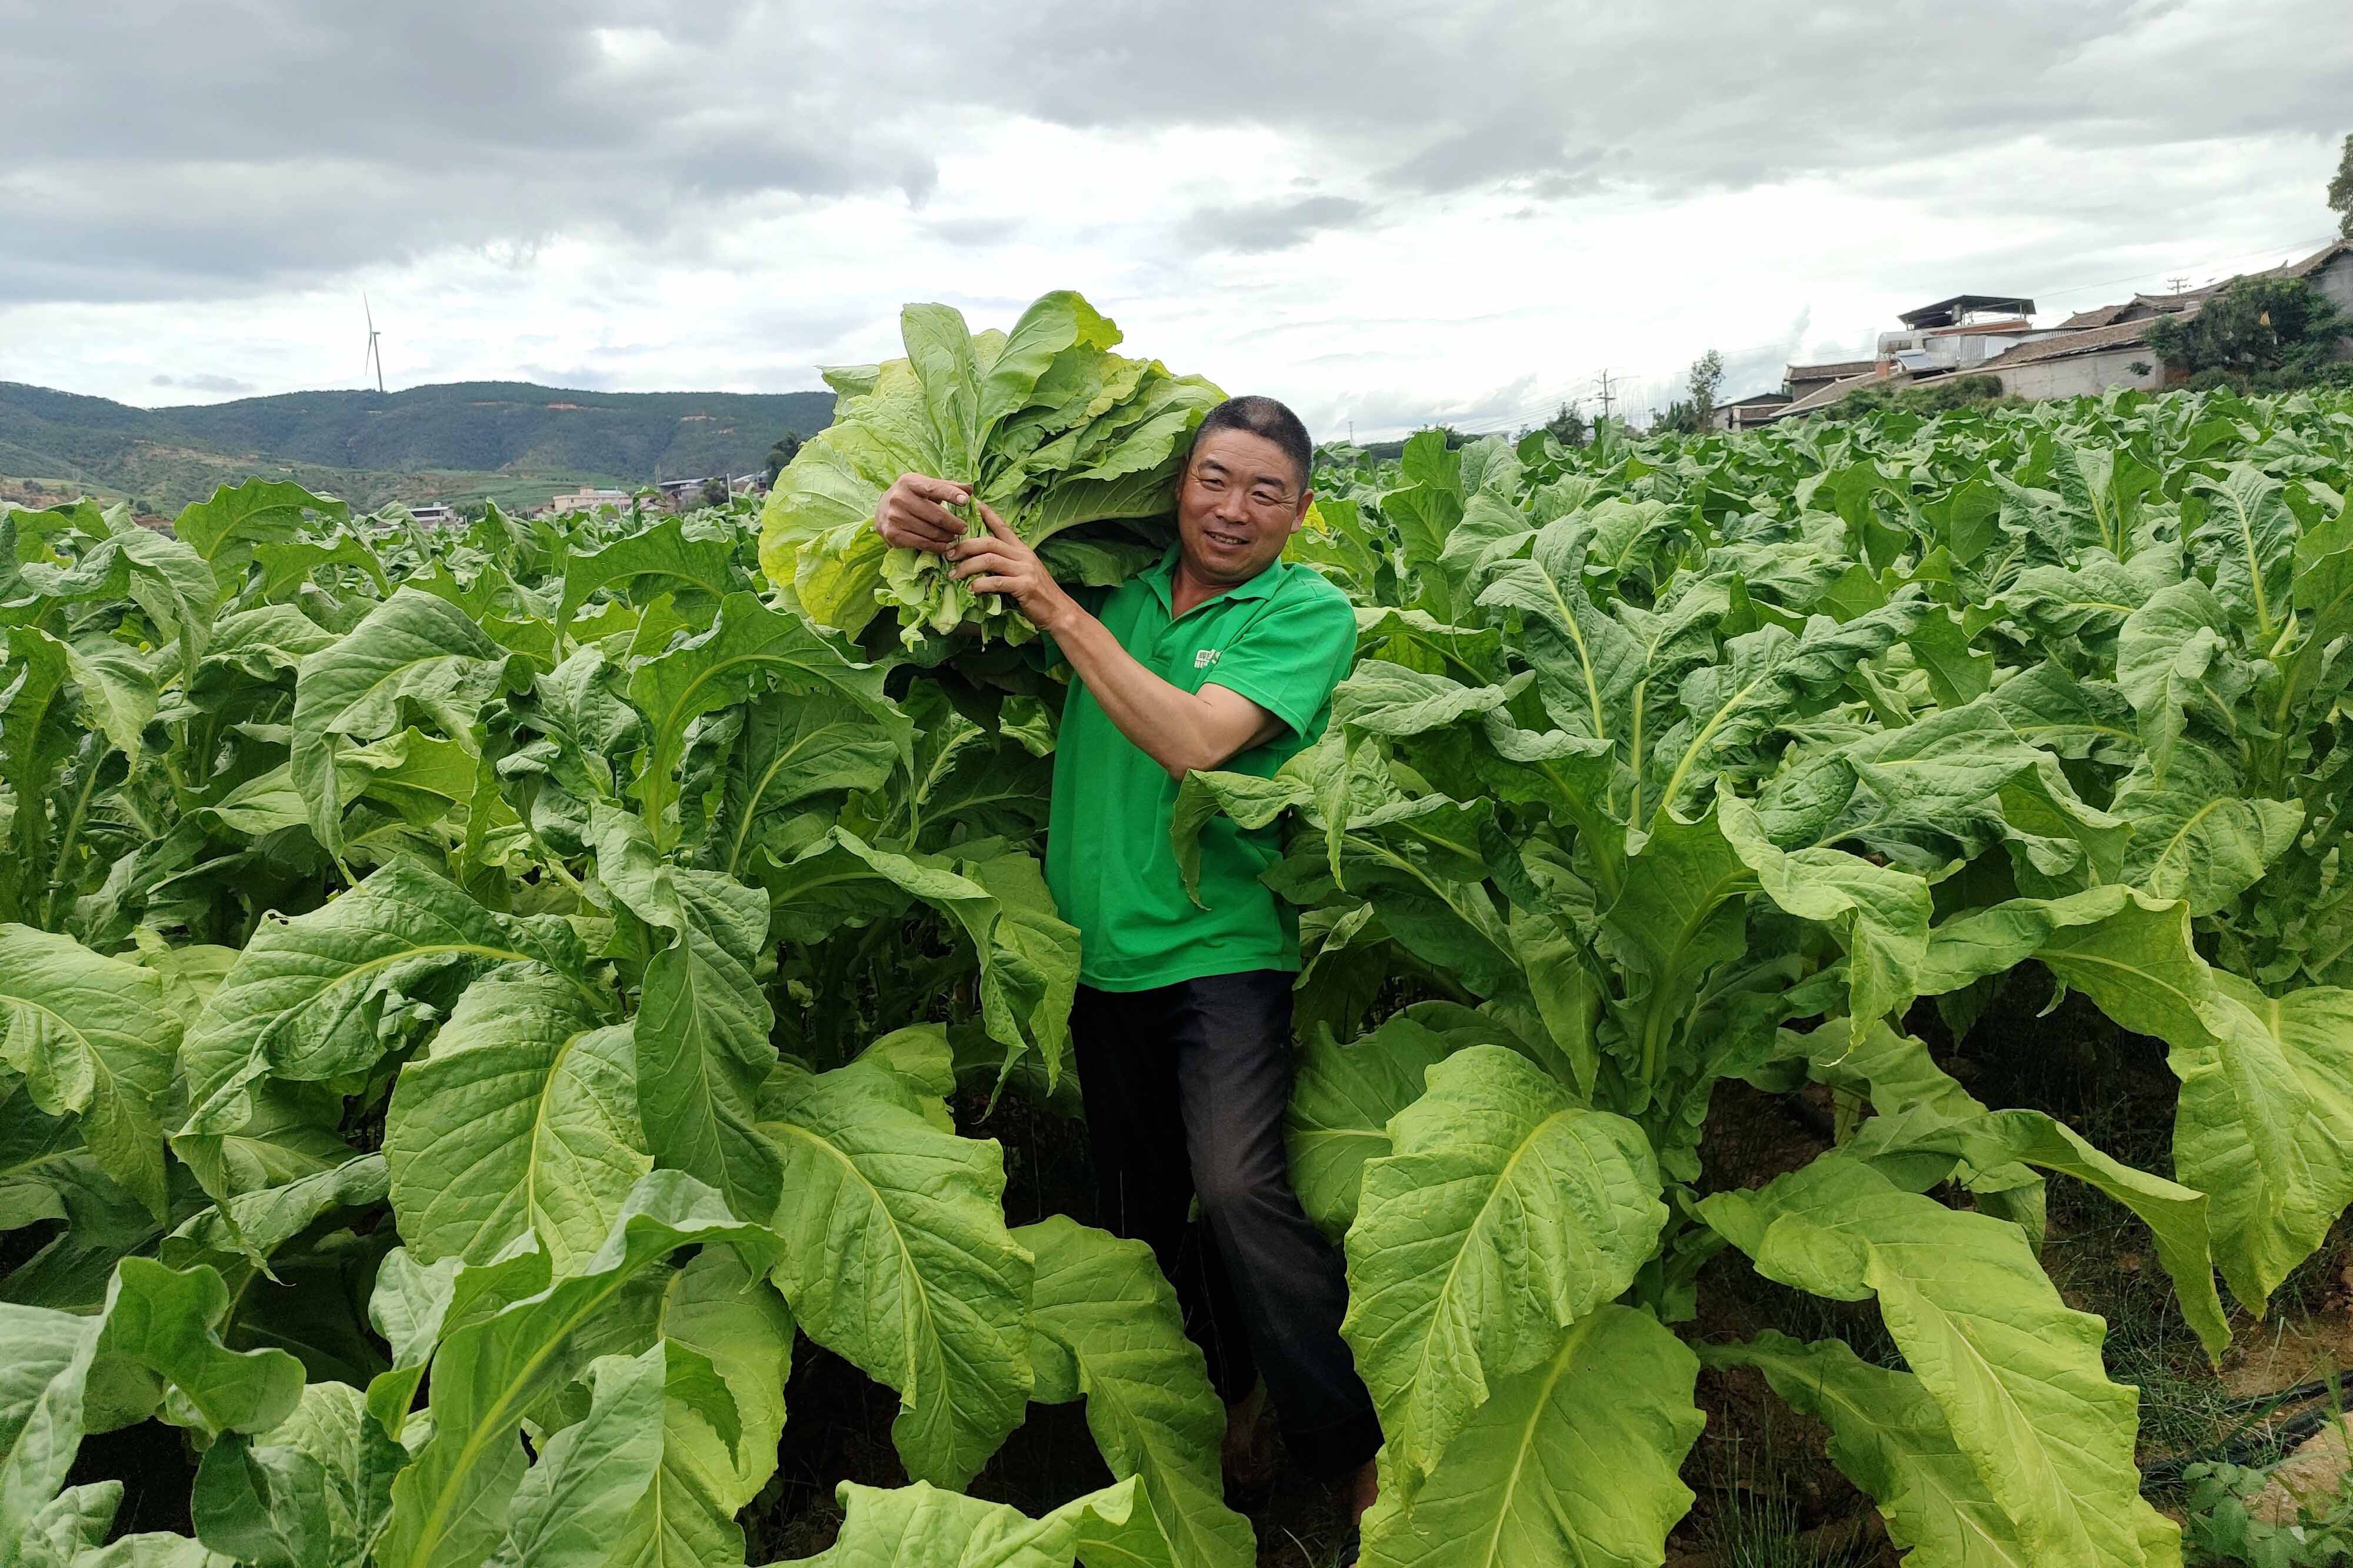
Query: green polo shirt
1284	639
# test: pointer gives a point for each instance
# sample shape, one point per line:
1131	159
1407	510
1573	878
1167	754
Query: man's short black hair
1263	417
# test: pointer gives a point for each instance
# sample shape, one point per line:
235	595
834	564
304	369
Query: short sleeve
1291	656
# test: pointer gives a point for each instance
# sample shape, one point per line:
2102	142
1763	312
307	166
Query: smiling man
1223	656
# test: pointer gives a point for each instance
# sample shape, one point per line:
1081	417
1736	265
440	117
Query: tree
714	491
787	448
2340	191
2276	328
1568	428
1689	415
1944	395
1706	377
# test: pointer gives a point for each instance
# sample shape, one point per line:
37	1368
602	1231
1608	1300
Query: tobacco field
481	1003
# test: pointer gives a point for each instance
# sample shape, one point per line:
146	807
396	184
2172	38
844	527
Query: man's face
1238	502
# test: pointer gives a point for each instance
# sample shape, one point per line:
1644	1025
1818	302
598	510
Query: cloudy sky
1384	213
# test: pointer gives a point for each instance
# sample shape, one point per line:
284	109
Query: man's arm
1182	730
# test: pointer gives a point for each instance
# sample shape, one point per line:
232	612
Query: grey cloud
227	148
204	382
990	229
203	151
1685	94
1254	227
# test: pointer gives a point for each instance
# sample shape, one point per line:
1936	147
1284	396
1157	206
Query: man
1222	656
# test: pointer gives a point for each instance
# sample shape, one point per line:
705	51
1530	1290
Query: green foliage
2222	1532
1689	416
1567	426
438	970
474	998
1702	759
1945	395
1046	425
780	456
2280	328
2340	191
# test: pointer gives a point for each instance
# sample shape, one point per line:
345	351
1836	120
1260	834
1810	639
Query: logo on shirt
1204	657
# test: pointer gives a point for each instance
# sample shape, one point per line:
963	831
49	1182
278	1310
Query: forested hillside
459	440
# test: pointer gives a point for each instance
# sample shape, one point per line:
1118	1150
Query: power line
1524	414
2137	277
1564	392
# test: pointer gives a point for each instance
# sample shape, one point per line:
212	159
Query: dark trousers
1185	1086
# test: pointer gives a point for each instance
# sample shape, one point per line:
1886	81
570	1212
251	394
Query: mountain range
512	441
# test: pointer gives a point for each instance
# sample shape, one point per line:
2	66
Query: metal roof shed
1952	312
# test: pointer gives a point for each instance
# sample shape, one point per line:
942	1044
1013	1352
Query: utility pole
1606	393
2176	285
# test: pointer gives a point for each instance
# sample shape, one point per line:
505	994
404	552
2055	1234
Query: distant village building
2086	360
671	495
685	495
1748	413
1800	381
435	514
1989	334
2330	271
588	499
1961	333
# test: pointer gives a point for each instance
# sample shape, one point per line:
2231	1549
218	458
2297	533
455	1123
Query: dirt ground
1767	1495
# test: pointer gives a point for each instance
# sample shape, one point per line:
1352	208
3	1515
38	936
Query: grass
1749	1515
2115	1089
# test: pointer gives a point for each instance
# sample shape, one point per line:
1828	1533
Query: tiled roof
2173	304
2104	316
2066	345
1822	397
1837	370
2144	306
2312	263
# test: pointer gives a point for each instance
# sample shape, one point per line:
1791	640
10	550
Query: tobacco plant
1759	759
478	1000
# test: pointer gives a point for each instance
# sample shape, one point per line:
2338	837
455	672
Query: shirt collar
1161	580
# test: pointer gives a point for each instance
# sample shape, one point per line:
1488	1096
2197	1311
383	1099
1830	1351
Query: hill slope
506	439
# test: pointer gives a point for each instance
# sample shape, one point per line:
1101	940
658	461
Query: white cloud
1379	217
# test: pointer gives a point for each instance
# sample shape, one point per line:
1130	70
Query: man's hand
913	513
1001	564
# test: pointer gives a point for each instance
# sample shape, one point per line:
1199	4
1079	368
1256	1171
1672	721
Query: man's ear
1299	518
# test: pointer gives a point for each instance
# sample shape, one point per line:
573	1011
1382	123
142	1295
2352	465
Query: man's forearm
1181	731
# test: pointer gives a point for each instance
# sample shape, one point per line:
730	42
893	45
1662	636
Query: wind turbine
372	352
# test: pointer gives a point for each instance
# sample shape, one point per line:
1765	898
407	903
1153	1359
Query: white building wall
2335	280
2082	374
